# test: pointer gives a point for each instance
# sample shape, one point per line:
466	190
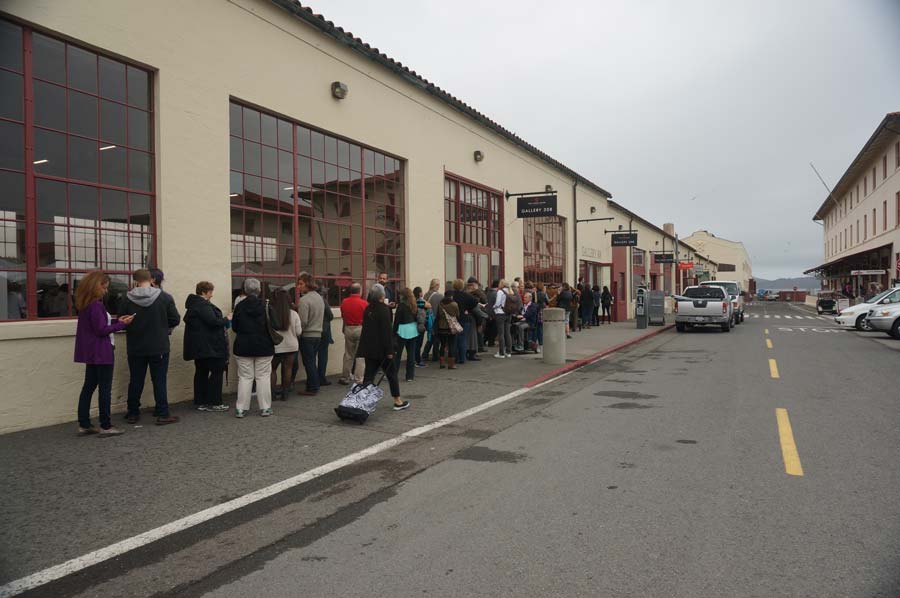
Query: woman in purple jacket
94	348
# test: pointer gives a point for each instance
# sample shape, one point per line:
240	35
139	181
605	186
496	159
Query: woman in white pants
253	350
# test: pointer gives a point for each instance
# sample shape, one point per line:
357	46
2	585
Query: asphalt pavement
660	470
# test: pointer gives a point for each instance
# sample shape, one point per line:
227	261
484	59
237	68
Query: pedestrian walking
325	342
352	309
147	340
311	309
376	345
206	344
288	325
94	347
606	300
448	311
406	331
253	351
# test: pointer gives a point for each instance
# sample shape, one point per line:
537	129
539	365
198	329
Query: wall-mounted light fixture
620	227
339	90
548	188
593	209
478	155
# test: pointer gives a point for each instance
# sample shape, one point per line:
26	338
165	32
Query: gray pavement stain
630	406
626	465
683	441
624	394
551	393
476	434
621	381
611	487
487	455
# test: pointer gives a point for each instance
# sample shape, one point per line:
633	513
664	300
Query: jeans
137	368
94	376
309	349
390	372
605	314
250	369
410	345
504	335
433	345
419	341
462	339
208	376
322	359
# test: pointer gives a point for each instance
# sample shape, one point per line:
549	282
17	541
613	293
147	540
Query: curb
596	357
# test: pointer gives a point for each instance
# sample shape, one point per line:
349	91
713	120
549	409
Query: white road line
766	316
777	317
113	550
787	316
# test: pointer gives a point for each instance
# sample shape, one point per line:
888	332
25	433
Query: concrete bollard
554	335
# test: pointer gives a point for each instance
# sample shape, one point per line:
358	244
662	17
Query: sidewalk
63	496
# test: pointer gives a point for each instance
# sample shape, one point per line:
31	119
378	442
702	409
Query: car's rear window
705	293
731	287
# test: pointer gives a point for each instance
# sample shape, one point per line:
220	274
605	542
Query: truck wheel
679	326
726	327
861	324
895	329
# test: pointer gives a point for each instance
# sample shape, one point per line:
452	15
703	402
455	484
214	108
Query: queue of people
280	334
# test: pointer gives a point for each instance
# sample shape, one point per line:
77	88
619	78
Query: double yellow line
789	454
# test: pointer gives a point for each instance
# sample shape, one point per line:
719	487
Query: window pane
269	132
48	58
12	196
236	153
251	157
50	105
83	205
11	96
304	175
253	191
285	135
82	114
355	157
138	211
235	119
53	295
113	208
138	129
12	146
138	88
10	46
112	166
83	159
369	159
303	147
285	166
114	249
82	67
330	150
51	200
112	79
139	170
53	243
112	122
317	145
12	243
251	124
12	300
269	162
84	248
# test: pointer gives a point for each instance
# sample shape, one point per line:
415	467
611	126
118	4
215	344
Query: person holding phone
94	347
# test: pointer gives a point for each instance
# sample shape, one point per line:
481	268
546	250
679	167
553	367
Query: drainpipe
630	278
575	225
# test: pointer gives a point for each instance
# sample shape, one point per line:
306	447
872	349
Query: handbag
273	334
408	331
452	322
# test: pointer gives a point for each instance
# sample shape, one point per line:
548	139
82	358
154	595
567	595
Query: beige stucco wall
724	251
205	52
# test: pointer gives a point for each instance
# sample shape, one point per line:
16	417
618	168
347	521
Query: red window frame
102	237
544	249
884	167
874	223
328	205
897	155
884	215
474	218
898	210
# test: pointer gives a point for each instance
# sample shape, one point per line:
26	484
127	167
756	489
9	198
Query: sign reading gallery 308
537	206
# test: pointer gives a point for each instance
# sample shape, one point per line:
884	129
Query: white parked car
885	318
703	306
855	315
736	293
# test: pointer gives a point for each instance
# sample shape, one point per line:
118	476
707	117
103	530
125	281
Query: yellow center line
769	343
767	331
788	446
773	369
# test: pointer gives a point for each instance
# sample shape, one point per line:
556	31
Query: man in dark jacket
206	343
466	302
148	345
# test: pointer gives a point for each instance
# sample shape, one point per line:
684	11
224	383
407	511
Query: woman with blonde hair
94	348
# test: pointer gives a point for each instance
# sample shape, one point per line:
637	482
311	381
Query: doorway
476	261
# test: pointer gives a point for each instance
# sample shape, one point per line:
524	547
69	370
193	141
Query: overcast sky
663	101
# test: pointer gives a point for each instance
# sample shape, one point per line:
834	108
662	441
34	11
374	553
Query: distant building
861	217
732	256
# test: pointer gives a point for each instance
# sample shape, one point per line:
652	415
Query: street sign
664	258
867	272
624	239
536	206
685	265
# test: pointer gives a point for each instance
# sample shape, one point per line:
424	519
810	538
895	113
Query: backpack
510	308
421	320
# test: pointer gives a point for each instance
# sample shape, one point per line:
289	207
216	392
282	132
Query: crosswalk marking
788	317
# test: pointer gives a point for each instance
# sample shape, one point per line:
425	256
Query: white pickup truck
704	306
737	296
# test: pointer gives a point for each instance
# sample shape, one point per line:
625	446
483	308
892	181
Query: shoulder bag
452	322
273	334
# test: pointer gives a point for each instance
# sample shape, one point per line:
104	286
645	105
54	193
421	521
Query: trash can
554	335
640	307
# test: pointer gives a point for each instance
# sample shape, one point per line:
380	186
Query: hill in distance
805	283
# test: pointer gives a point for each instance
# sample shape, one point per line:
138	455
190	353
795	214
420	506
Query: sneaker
343	381
401	406
218	408
169	419
202	407
499	355
421	365
265	412
509	354
410	380
111	431
133	418
239	413
87	431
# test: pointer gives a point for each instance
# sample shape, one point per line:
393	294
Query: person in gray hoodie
311	308
155	314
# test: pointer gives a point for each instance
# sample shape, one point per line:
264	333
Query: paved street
657	471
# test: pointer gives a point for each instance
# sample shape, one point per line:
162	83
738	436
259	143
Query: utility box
640	307
656	308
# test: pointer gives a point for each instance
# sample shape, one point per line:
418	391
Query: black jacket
403	315
249	324
154	316
466	302
204	330
376	340
564	300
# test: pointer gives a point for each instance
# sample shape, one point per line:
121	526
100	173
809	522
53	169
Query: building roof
869	152
346	38
649	224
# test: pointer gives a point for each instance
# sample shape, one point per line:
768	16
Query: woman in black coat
376	345
206	344
253	351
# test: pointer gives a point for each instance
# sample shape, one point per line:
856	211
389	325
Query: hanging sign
867	272
536	206
685	265
664	258
624	239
